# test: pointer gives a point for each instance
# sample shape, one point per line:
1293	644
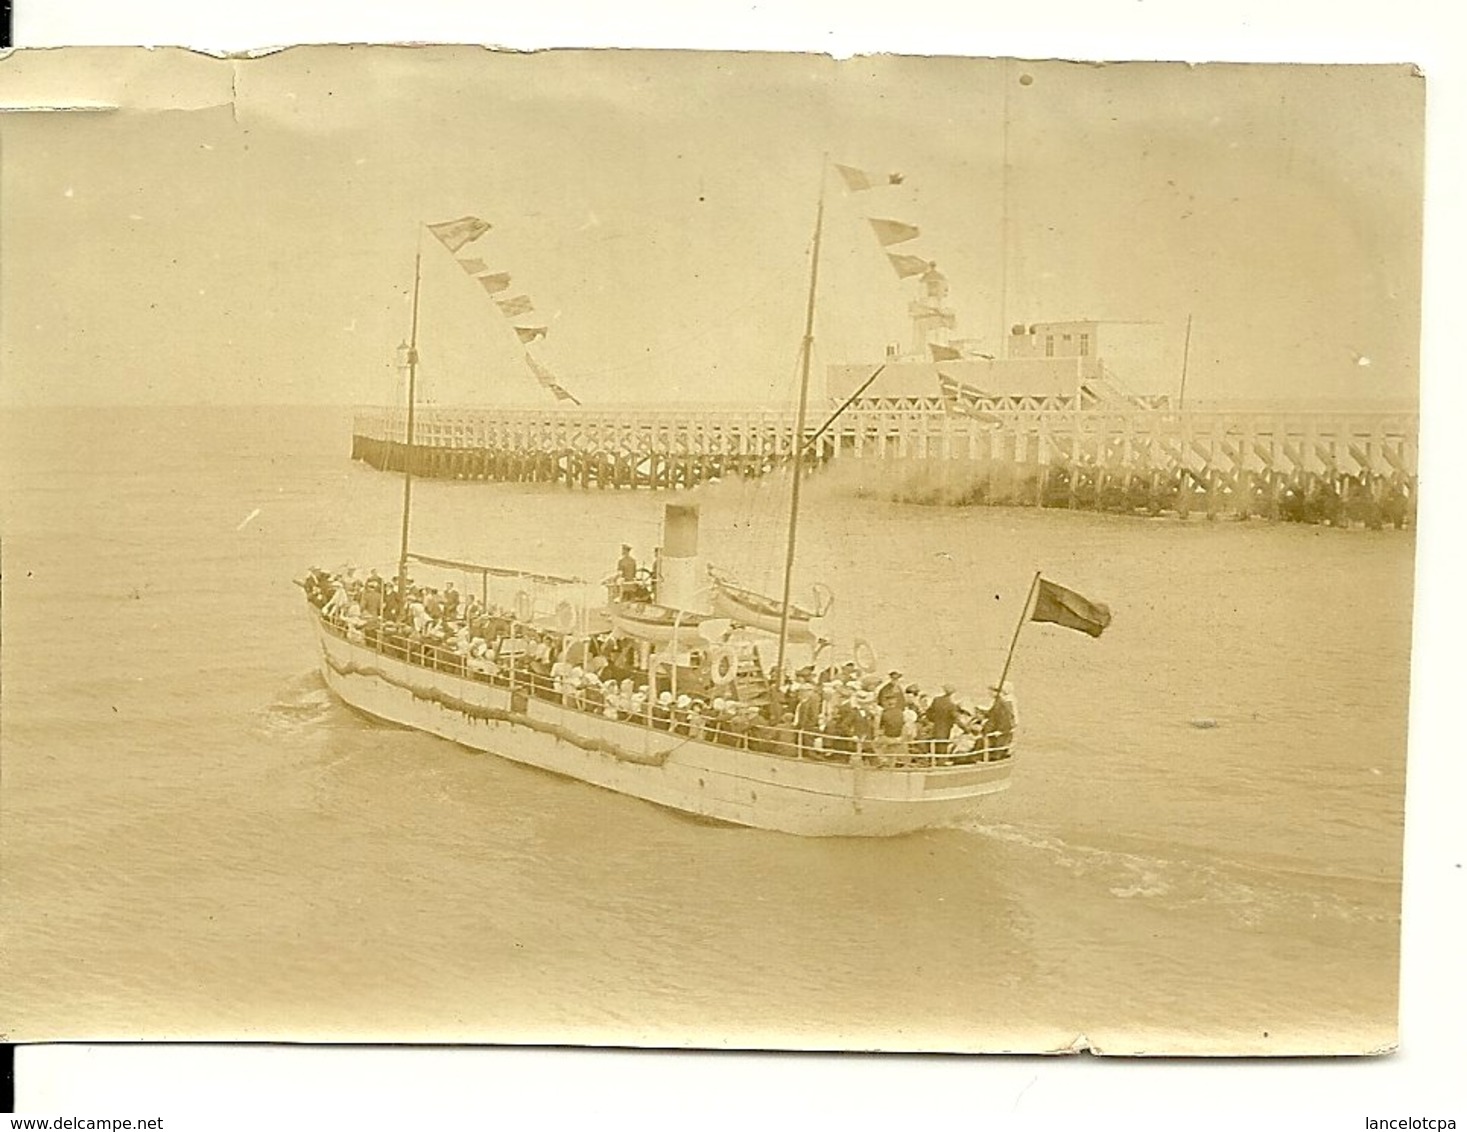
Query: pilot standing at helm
626	565
626	573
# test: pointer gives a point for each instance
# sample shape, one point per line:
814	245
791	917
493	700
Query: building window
1049	346
1084	345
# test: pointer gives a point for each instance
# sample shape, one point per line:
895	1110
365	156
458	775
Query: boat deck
524	683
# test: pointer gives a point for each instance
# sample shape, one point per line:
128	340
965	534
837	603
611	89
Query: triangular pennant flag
547	379
529	333
474	266
965	399
890	232
858	180
955	388
944	353
515	307
495	283
908	265
454	234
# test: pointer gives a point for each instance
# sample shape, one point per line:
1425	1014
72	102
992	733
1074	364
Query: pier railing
1374	442
1248	459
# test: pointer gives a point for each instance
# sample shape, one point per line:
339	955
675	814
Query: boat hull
711	780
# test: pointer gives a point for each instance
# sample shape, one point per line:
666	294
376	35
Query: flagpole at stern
1019	628
412	399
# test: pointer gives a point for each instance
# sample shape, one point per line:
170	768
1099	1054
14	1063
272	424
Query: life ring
524	606
822	650
565	617
723	665
864	655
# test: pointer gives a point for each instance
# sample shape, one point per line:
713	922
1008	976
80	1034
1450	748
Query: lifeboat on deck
763	613
646	621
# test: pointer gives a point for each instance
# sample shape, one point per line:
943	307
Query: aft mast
798	443
412	399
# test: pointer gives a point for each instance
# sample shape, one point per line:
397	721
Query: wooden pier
1331	467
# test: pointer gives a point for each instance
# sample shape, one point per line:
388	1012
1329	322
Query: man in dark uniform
807	715
942	713
626	574
999	721
890	694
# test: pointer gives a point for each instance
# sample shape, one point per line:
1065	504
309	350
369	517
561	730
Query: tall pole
1186	351
412	401
1003	245
798	447
1019	628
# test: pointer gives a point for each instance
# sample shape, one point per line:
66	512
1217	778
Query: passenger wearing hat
807	716
942	713
717	716
998	724
890	730
890	694
680	713
697	715
662	712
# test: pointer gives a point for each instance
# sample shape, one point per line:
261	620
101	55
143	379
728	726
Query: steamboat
657	683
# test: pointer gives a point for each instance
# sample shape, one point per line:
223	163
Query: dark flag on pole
1065	607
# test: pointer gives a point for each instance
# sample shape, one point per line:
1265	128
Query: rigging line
757	503
774	501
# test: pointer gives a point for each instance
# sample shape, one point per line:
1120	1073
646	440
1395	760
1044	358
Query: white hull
713	780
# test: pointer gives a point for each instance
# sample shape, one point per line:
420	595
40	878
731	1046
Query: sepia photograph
706	550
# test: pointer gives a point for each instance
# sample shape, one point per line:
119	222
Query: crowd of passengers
835	712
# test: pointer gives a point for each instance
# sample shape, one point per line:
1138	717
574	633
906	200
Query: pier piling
1341	469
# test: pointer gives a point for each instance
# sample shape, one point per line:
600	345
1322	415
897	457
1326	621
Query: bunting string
456	235
547	379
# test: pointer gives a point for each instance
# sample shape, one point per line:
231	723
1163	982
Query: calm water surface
198	840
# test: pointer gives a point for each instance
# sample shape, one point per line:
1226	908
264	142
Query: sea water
1200	849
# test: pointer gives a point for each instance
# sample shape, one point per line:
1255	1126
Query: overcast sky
244	231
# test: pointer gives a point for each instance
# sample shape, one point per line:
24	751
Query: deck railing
806	746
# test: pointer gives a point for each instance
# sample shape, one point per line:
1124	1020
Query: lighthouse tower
932	318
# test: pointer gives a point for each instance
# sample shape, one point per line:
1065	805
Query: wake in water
1250	893
302	703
